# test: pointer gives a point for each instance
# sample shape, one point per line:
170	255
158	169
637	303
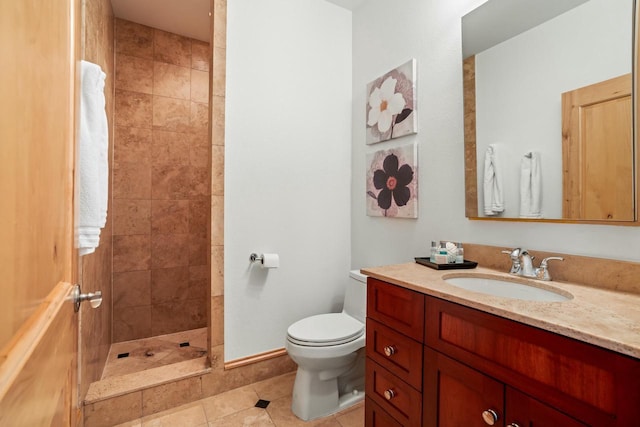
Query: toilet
329	351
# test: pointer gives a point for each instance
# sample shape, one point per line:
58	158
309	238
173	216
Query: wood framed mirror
549	113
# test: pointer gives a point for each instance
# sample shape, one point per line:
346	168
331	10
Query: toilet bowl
329	351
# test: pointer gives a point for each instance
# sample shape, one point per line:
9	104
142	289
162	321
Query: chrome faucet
522	264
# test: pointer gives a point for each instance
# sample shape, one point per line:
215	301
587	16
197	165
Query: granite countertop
603	317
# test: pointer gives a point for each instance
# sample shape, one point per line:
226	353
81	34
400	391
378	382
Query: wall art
392	182
391	104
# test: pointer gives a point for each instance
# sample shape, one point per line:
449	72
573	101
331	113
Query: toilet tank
355	296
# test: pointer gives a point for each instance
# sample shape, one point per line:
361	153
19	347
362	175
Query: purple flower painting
392	182
391	104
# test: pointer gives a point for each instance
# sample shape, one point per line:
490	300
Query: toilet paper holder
254	257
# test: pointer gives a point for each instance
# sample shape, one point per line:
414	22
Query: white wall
287	166
521	109
385	34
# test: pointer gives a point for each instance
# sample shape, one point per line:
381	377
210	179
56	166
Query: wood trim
470	159
20	348
260	357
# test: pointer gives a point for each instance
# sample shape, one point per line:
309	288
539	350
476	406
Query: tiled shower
161	183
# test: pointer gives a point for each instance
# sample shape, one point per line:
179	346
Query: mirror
548	111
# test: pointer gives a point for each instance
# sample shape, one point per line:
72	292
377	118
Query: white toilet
329	351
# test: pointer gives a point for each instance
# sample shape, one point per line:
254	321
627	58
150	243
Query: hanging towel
92	179
530	186
493	189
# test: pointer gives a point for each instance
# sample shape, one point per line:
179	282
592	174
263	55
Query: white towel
493	189
92	178
530	186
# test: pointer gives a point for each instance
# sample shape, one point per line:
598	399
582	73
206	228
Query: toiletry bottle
434	251
460	254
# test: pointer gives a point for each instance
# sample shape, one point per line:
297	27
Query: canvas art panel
392	182
391	104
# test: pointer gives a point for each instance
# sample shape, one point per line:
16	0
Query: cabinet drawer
375	416
393	395
398	353
585	381
398	308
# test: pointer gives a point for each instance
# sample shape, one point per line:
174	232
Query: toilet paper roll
270	261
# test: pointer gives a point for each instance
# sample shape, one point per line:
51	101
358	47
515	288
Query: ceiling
188	18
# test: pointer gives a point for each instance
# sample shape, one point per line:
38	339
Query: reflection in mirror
548	117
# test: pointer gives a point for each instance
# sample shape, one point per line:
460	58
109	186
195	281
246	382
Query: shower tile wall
161	184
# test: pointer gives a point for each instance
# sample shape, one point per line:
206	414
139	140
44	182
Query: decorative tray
448	266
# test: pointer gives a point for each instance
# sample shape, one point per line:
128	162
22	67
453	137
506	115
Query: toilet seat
325	330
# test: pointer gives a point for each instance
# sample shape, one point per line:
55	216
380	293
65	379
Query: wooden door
38	326
456	395
597	150
523	410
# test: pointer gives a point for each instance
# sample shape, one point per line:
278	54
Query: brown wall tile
217	170
170	182
220	23
134	39
132	145
169	250
199	183
131	253
133	109
171	80
131	217
199	119
169	284
171	114
170	148
217	220
200	86
114	411
171	395
130	323
131	288
171	48
199	156
198	249
134	74
132	181
219	77
217	270
179	315
217	120
170	216
199	216
200	55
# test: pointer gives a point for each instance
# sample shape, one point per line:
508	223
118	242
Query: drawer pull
389	394
490	416
514	425
389	350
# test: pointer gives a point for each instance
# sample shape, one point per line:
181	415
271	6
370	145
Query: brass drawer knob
490	416
389	350
389	394
514	425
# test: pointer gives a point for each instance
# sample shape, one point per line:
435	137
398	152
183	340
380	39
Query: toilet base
315	396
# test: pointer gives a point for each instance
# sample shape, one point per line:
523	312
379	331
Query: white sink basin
506	288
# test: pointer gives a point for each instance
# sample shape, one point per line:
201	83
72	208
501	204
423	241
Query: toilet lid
325	329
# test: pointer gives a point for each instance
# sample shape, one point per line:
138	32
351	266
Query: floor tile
252	417
230	402
275	388
352	417
280	412
186	415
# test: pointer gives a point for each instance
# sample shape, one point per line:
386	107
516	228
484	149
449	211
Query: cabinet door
523	410
456	395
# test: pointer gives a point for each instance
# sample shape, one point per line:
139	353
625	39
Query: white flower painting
391	104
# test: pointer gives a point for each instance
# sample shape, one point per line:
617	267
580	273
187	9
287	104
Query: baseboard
260	357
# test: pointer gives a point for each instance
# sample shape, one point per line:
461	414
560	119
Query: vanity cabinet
394	349
470	367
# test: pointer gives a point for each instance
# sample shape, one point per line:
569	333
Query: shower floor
139	355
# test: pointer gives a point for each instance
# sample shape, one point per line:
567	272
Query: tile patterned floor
237	408
153	352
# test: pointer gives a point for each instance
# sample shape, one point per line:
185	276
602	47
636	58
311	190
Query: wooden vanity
434	360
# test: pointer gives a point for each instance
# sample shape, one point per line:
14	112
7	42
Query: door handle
94	298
